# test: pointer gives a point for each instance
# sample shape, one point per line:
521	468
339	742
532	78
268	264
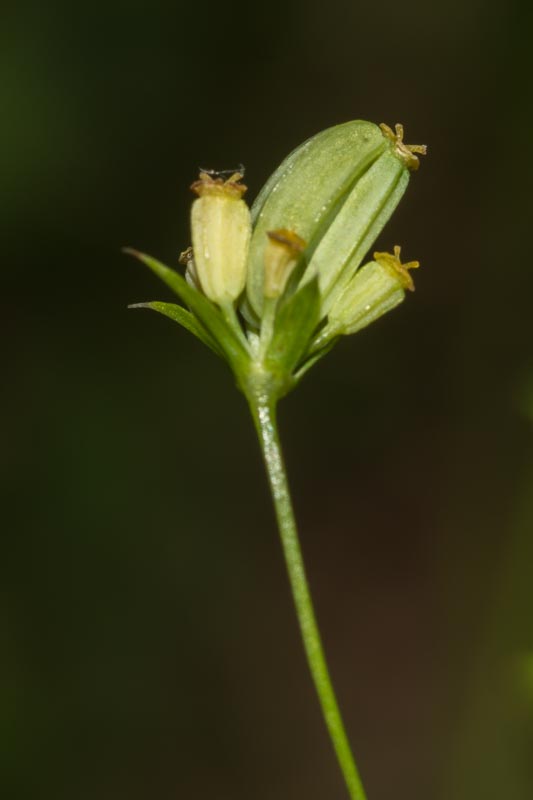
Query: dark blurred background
149	646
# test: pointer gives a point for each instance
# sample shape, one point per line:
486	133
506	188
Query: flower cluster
271	288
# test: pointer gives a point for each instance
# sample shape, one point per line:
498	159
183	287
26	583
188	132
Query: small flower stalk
271	289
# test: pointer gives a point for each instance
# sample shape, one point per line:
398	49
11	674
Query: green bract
271	290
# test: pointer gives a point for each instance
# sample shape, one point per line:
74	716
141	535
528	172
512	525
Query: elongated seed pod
308	189
336	191
356	226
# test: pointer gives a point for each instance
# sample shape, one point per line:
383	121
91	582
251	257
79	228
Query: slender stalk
230	315
264	413
267	325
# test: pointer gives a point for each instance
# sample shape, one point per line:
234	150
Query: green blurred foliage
149	648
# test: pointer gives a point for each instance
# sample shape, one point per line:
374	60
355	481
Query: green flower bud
337	191
376	288
221	228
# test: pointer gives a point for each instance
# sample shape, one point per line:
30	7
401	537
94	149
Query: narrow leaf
183	318
295	322
206	312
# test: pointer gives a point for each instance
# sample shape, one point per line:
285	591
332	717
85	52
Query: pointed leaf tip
131	251
185	319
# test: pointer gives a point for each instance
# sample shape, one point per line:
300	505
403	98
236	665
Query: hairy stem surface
264	414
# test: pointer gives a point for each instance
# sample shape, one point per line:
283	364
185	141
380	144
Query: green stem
230	315
267	325
263	410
